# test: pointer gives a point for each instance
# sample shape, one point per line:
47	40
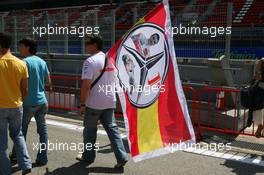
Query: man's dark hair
5	40
31	43
95	39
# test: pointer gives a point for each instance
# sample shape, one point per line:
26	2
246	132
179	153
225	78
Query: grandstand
246	15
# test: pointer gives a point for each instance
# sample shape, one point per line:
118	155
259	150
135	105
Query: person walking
258	115
14	88
35	104
98	105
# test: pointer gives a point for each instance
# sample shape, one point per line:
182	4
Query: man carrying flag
152	98
98	104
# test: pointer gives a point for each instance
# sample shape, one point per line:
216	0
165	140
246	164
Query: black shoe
81	159
121	165
24	172
13	159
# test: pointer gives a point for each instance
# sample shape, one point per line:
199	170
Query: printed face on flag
142	61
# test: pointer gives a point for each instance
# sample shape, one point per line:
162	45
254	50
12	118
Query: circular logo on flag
142	62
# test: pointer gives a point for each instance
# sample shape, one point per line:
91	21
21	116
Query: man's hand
258	70
258	77
24	88
48	83
50	88
85	90
82	111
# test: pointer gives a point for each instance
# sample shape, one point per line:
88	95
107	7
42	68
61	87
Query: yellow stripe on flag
149	137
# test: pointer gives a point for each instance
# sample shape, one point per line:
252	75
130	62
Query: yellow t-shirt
12	71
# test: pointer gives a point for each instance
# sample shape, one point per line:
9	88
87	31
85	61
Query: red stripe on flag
111	54
173	126
154	80
157	16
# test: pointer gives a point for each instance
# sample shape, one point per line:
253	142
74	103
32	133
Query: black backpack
252	97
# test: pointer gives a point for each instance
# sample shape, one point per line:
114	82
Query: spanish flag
152	99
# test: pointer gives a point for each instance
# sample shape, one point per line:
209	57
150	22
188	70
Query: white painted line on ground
235	156
218	154
226	156
199	151
240	156
190	149
208	152
73	127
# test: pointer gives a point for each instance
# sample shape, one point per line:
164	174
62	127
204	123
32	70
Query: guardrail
211	108
65	93
222	112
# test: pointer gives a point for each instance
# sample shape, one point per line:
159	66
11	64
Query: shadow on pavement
105	151
83	169
247	169
106	170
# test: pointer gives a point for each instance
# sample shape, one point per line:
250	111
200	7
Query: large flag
152	98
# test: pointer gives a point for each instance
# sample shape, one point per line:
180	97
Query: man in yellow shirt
13	89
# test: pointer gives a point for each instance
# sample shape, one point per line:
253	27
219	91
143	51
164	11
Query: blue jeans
107	119
39	113
12	119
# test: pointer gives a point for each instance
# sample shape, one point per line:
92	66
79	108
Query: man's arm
85	90
258	70
24	88
87	77
49	83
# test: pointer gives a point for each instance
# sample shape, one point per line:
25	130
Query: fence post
48	36
15	34
228	24
113	30
32	25
96	18
66	37
135	15
3	24
83	38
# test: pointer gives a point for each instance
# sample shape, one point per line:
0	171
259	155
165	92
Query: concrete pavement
62	162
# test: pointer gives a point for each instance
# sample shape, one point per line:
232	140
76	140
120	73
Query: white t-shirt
102	95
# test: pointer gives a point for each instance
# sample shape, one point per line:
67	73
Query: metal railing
211	108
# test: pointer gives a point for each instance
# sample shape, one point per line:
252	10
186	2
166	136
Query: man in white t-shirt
99	74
